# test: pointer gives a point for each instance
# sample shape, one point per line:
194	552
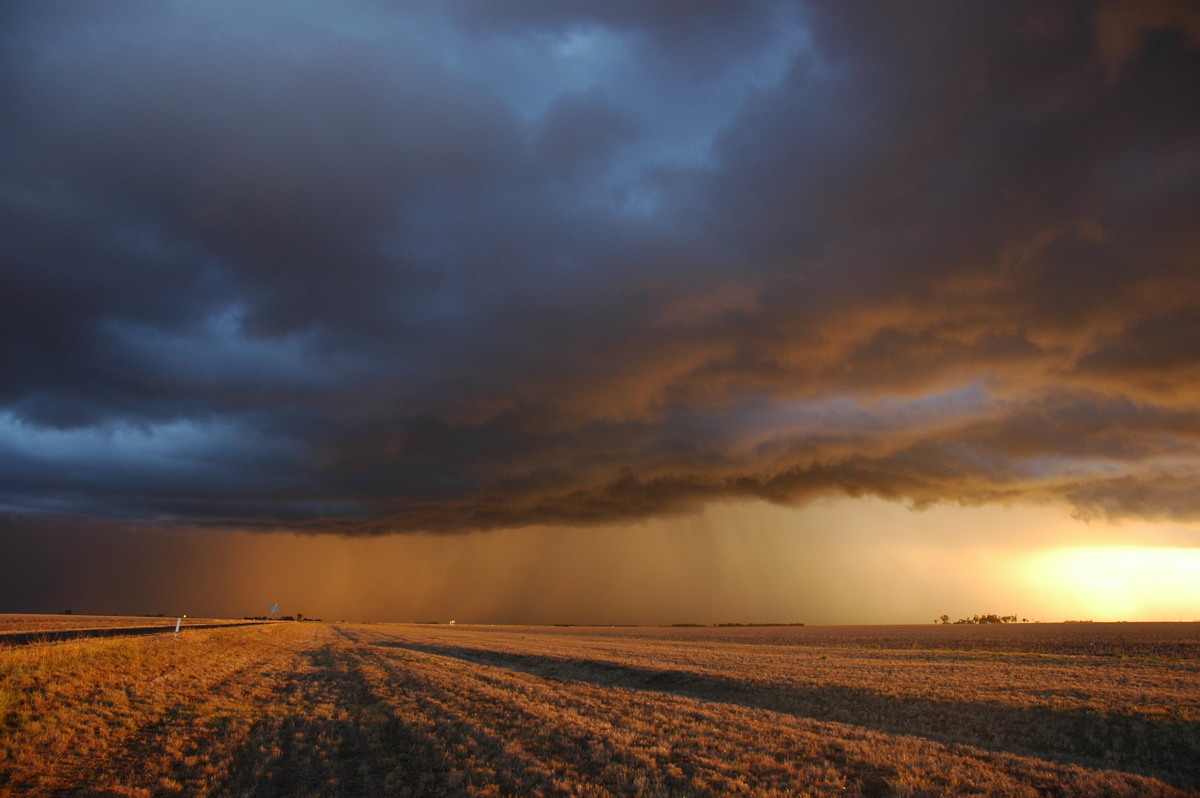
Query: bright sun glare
1118	583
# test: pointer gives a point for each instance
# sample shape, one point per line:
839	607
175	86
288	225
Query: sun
1119	583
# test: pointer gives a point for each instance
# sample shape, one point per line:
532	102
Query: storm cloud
453	266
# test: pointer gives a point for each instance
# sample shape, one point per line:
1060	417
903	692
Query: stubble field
318	709
10	623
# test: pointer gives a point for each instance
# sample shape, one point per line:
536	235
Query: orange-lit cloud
454	269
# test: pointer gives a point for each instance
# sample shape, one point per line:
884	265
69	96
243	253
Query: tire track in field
293	717
676	745
330	733
709	748
1157	747
194	738
469	756
538	742
143	740
626	743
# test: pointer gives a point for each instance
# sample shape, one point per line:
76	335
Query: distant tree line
297	617
989	618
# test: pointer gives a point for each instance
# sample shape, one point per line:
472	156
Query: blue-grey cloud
450	266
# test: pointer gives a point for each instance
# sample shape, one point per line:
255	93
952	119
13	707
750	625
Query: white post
177	620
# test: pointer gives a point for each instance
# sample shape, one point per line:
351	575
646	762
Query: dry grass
46	623
310	709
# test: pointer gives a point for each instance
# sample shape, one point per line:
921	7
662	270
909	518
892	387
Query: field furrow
1084	711
136	711
313	709
725	745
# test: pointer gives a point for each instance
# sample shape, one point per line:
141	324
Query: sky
628	312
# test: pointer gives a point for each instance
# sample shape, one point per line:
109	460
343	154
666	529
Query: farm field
36	623
376	709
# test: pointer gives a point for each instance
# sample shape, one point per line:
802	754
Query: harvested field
316	709
1171	640
48	623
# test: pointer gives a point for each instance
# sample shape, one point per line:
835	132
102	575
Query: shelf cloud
457	266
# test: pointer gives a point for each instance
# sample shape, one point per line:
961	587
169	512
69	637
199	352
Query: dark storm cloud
450	266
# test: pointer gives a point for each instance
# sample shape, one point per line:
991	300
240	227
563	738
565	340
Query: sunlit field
319	709
35	623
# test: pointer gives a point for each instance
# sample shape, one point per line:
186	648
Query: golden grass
46	623
313	709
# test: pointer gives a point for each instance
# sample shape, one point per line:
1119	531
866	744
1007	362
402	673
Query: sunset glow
1119	583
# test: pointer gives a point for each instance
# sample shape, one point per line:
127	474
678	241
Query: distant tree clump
990	618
